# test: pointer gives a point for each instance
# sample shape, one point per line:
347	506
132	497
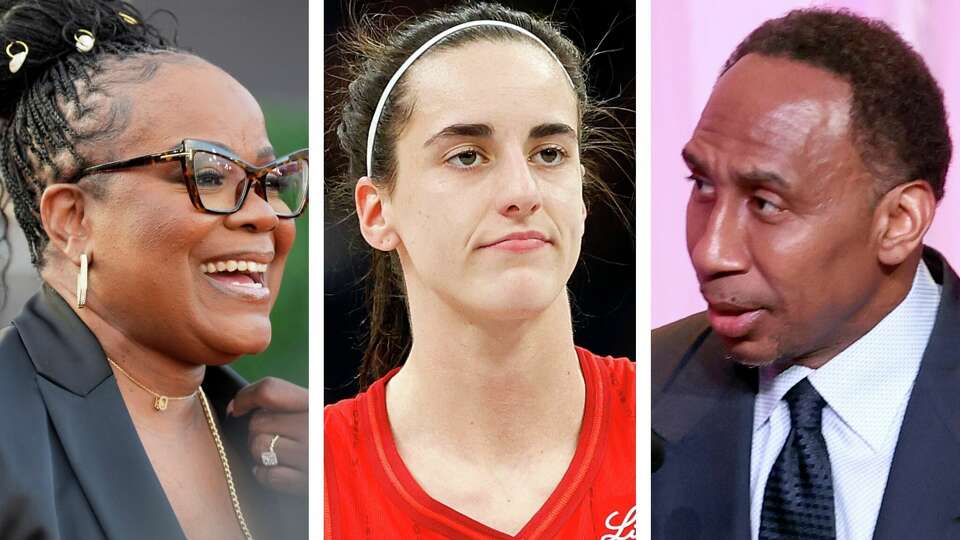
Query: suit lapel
89	416
705	416
922	496
105	453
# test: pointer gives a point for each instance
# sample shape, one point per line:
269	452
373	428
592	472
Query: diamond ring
269	458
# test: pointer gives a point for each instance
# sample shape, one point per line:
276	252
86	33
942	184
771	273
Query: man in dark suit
819	394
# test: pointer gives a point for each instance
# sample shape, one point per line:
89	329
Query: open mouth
250	274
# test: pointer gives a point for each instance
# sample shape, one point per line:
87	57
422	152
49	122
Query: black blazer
703	410
71	462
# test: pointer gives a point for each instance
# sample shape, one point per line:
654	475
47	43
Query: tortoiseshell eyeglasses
218	181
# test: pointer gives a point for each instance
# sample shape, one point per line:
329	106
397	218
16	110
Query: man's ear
903	216
373	213
65	218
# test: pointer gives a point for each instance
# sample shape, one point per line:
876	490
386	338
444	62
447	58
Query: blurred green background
287	355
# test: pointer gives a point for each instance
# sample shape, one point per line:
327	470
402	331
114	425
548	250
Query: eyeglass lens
221	183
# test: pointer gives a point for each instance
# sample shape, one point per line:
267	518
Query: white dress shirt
866	388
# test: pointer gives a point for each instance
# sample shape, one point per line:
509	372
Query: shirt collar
868	382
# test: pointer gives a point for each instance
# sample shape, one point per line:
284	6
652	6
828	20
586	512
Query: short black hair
898	119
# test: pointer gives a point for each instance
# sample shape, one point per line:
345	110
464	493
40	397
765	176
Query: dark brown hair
372	53
899	122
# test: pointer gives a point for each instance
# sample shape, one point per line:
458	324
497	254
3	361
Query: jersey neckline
426	511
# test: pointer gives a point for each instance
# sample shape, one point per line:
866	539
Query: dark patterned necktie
798	500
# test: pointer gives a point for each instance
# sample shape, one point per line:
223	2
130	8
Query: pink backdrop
691	40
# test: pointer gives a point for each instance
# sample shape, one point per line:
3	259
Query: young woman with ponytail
469	133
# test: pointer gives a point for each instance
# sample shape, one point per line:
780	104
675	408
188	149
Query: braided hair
55	105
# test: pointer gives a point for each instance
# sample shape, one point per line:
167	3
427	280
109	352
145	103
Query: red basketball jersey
370	494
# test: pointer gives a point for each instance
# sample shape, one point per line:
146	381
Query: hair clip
84	40
17	60
127	18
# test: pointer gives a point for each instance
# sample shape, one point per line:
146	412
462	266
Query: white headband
375	121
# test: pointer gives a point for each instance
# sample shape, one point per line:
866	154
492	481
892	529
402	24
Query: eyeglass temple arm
302	154
138	161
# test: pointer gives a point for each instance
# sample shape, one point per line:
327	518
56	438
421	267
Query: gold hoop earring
82	282
84	40
17	59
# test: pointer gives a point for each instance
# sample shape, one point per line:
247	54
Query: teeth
249	285
233	266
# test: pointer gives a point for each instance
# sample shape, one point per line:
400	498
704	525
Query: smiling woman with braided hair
160	220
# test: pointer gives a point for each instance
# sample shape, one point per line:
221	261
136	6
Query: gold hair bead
17	59
84	40
127	18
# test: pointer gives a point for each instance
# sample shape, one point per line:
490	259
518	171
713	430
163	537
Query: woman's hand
279	408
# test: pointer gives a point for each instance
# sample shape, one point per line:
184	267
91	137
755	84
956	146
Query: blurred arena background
264	46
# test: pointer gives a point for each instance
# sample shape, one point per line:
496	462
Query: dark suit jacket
703	410
71	463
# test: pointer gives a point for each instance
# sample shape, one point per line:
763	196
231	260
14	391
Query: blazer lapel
922	496
89	416
705	415
111	466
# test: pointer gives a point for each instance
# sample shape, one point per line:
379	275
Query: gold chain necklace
160	404
159	400
226	465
